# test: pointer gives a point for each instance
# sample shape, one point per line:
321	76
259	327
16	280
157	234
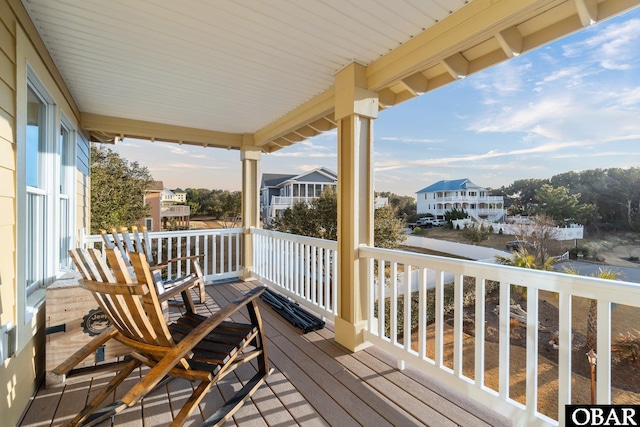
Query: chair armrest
193	258
175	289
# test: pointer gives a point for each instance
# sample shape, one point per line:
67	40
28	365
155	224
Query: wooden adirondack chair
126	242
197	348
91	266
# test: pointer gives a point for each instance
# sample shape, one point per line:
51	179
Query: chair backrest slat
143	244
133	308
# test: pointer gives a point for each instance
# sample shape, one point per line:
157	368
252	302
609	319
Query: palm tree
524	259
592	316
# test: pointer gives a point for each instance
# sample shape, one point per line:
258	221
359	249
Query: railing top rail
93	238
325	244
614	291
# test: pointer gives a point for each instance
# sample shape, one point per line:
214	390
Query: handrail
303	268
219	250
391	272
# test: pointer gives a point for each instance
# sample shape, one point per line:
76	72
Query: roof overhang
230	75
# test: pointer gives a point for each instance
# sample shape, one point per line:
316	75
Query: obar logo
602	415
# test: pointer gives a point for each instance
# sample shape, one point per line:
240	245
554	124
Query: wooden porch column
355	109
250	158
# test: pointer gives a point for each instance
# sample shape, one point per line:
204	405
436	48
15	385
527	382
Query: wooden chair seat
195	347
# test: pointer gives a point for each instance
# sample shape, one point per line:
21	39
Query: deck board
316	382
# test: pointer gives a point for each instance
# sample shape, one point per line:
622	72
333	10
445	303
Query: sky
568	106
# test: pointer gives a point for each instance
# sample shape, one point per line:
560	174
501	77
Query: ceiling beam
158	131
477	21
587	11
309	112
510	41
456	65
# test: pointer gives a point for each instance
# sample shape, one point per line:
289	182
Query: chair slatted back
132	308
143	244
90	264
127	242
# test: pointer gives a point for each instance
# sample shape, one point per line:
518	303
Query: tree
540	232
387	228
592	316
117	190
404	206
475	234
229	206
557	203
320	219
193	201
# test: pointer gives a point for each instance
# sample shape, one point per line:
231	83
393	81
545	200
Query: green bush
468	299
580	250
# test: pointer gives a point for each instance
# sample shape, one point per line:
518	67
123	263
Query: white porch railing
219	250
385	328
303	268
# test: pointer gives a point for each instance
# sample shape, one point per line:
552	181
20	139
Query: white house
446	195
280	191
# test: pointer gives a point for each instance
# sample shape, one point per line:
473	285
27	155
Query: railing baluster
393	313
381	299
314	269
458	347
504	341
603	392
480	332
532	351
564	354
422	313
406	329
439	318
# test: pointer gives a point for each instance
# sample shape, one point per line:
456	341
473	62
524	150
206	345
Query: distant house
461	194
280	191
163	208
380	202
180	196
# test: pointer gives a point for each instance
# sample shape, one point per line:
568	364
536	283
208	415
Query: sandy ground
613	249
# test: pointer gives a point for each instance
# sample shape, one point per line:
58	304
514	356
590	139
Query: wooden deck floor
316	382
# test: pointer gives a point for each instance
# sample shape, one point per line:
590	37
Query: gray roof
274	179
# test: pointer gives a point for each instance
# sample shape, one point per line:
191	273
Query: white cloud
613	46
410	140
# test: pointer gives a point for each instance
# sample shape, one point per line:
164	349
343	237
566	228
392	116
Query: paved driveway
628	274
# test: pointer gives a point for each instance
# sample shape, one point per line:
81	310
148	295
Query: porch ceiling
205	73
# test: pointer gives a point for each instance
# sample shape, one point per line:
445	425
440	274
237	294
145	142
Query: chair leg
236	402
203	294
191	403
104	393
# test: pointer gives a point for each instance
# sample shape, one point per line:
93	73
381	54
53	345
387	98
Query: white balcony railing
219	250
302	268
390	270
405	289
180	210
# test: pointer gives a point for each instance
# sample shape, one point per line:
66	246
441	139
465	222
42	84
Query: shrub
627	347
468	299
580	250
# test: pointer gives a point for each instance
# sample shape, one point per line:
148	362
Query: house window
36	206
148	222
48	192
66	171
